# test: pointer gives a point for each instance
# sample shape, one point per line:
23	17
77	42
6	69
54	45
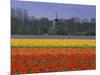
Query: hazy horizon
48	10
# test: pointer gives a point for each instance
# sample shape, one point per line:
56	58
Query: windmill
55	21
54	25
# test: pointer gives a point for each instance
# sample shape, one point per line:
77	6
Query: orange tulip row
35	60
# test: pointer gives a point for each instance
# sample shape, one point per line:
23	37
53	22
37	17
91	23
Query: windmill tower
55	22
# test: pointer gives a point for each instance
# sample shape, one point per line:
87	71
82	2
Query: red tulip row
35	60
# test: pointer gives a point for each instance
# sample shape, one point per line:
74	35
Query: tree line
22	23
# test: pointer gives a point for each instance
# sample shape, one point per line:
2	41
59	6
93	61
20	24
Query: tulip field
42	55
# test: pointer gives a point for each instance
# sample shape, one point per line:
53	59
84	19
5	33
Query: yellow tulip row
52	43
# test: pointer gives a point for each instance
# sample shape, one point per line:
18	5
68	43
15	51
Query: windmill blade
56	15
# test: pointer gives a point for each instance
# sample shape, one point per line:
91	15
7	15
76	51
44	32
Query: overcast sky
40	9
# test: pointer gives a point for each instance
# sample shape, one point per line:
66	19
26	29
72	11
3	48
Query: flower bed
36	60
